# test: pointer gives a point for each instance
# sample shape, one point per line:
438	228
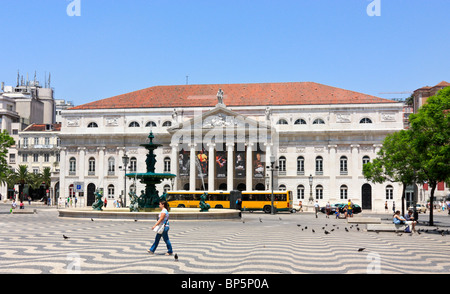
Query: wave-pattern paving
35	244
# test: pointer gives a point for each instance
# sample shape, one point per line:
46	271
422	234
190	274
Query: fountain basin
125	214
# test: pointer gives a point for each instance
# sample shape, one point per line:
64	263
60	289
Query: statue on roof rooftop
220	97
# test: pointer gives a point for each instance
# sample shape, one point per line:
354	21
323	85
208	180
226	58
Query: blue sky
115	47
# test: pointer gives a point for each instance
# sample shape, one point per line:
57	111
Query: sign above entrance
78	187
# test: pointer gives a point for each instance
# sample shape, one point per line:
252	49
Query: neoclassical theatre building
228	137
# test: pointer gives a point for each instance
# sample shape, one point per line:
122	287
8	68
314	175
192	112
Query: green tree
430	129
394	163
6	141
22	177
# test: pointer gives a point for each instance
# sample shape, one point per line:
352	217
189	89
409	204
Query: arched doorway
223	187
90	194
260	187
366	196
241	187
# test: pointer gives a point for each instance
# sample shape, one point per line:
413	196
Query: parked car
420	208
332	206
341	206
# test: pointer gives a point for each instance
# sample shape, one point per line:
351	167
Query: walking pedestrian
386	207
163	219
350	208
328	209
316	207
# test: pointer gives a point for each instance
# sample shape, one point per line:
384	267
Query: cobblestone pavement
258	244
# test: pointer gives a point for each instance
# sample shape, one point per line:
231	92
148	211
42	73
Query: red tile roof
267	94
443	84
42	128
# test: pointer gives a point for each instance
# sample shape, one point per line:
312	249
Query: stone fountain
149	199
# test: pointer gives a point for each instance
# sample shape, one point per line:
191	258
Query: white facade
329	142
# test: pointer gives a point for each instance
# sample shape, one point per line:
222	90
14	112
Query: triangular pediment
218	118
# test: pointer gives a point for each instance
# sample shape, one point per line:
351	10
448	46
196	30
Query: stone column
211	166
120	183
333	172
230	166
63	173
81	172
355	192
249	167
192	167
268	163
174	164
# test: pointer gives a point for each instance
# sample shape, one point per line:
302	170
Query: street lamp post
311	200
125	160
272	168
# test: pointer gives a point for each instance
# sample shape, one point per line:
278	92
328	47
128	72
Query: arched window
300	192
111	191
133	164
343	165
92	125
282	122
300	121
318	121
319	192
134	124
91	169
365	120
72	165
111	165
389	192
282	164
319	165
150	124
167	165
167	124
344	192
366	159
300	165
166	188
282	187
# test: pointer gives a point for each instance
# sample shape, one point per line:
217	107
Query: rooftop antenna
49	78
18	78
187	80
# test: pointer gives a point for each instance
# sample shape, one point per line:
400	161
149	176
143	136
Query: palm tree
8	178
22	177
47	177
